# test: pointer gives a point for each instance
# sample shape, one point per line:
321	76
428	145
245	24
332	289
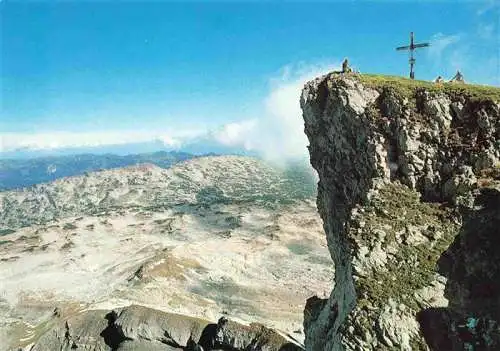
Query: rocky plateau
169	250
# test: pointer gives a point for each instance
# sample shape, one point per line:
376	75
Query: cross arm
403	48
423	45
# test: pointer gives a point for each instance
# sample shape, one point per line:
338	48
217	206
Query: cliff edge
409	196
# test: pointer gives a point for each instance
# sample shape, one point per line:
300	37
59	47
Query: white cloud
473	53
283	122
458	60
277	133
64	139
439	43
237	134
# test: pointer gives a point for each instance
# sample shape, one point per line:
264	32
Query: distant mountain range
28	166
203	145
18	173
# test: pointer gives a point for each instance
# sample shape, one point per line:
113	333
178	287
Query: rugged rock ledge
145	329
409	196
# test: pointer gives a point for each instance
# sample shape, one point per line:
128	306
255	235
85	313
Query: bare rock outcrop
409	196
140	328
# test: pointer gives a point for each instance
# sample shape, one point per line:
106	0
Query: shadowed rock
141	328
82	331
235	336
112	335
472	266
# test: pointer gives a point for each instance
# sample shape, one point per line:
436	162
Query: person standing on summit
345	66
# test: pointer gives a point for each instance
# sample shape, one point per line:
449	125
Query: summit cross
411	48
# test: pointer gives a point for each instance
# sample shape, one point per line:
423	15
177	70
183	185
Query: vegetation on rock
415	234
407	87
402	164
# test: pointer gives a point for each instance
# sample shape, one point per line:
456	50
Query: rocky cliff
409	196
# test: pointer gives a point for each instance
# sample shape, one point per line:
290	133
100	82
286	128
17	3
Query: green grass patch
413	266
408	87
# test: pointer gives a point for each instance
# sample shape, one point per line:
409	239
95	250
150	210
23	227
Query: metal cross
411	48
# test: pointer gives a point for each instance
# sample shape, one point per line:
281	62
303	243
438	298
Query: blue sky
136	68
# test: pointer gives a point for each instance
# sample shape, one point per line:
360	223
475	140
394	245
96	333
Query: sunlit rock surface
409	196
209	237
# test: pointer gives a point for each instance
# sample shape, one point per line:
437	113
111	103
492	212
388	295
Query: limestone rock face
140	328
143	346
83	331
409	196
137	322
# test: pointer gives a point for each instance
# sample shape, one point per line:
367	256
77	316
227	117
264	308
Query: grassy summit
408	87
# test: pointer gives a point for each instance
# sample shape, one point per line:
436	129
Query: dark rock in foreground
141	328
